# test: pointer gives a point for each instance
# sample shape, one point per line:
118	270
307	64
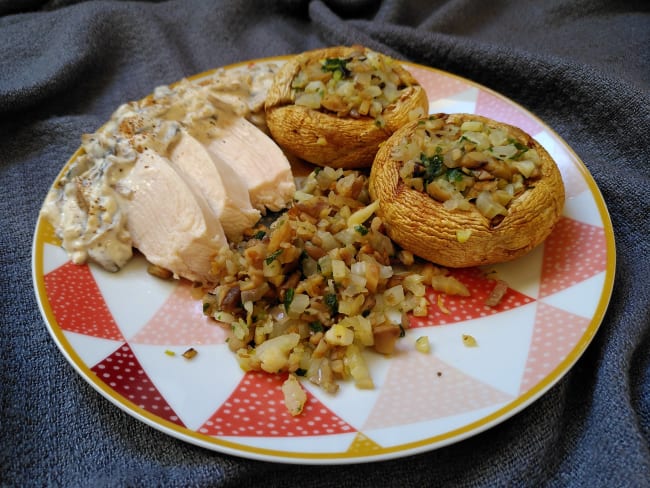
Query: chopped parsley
361	229
332	302
288	297
259	235
454	175
316	326
433	166
337	66
521	149
273	256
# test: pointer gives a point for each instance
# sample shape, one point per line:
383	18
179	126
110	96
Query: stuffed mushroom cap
463	190
334	106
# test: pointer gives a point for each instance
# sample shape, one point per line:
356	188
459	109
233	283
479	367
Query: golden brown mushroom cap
322	137
424	226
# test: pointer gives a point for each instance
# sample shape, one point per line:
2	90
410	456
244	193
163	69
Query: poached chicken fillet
257	160
227	197
170	222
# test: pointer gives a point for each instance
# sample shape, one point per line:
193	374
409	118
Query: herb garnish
336	65
521	149
332	302
273	256
454	175
433	166
316	326
361	229
288	297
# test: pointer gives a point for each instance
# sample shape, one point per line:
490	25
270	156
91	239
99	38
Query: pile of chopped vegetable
310	292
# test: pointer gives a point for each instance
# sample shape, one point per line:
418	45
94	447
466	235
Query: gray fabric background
582	66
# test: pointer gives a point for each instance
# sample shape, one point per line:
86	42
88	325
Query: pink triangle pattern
434	390
449	309
574	252
78	304
494	107
180	321
438	85
256	408
555	333
123	373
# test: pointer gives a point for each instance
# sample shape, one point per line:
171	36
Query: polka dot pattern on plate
180	321
495	107
554	335
438	85
122	372
433	389
78	304
256	408
448	309
574	252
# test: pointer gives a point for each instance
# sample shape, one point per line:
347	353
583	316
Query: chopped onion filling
313	290
467	165
362	84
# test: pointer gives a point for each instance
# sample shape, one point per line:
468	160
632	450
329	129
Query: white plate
117	331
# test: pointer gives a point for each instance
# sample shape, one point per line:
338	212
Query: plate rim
218	444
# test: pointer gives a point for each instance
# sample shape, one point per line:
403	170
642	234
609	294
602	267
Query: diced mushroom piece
497	293
386	336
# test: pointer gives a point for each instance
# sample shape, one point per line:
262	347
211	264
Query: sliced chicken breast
169	222
256	159
227	197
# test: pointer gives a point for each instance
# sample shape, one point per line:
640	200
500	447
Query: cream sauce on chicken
85	205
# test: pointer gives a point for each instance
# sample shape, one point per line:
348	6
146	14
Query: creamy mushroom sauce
85	205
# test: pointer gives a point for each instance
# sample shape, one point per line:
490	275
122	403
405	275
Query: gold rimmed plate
118	329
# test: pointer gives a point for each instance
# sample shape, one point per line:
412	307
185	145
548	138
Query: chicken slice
228	197
169	222
256	159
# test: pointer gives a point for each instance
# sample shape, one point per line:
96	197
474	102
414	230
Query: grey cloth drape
582	66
